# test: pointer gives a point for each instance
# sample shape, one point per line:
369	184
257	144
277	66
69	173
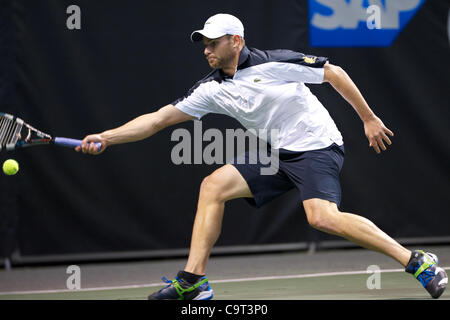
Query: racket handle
72	143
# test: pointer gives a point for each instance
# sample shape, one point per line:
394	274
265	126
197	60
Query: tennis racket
16	134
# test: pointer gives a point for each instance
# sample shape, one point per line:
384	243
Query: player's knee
318	221
212	189
322	217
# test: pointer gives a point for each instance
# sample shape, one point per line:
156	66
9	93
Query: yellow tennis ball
10	167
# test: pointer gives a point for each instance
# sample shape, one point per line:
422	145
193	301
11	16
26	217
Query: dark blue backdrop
132	57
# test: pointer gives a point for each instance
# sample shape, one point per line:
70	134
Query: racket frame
10	135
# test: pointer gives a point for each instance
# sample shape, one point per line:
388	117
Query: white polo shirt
268	92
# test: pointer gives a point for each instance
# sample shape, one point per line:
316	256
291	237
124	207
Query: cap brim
199	34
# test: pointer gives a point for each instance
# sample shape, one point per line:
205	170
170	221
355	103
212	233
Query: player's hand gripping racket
16	133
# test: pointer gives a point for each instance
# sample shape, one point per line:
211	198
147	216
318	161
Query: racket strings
15	133
9	131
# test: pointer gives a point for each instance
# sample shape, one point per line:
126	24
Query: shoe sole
205	295
441	285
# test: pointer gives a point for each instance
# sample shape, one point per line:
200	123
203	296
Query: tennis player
266	90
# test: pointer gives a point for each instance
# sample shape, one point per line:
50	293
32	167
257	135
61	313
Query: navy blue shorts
314	173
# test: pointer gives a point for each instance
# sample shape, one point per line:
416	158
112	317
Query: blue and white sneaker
423	265
180	289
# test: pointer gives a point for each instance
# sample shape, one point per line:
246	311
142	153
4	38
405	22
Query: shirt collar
243	56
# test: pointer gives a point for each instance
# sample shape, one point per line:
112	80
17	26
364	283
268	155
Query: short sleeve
293	72
197	102
300	73
296	66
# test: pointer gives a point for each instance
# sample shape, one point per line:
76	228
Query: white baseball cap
219	25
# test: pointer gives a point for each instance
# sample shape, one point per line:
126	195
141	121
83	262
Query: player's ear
236	41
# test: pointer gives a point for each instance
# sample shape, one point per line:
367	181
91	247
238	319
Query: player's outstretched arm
376	132
137	129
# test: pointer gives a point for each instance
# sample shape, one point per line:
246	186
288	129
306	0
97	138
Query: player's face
219	52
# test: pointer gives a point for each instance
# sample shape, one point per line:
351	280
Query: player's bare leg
224	184
325	216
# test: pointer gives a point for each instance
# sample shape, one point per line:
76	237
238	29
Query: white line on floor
296	276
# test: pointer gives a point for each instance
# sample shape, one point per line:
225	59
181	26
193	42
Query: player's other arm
137	129
376	132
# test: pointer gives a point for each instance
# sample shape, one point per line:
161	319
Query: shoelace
170	282
422	273
163	278
180	290
425	277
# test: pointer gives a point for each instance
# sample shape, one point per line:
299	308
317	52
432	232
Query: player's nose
207	51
